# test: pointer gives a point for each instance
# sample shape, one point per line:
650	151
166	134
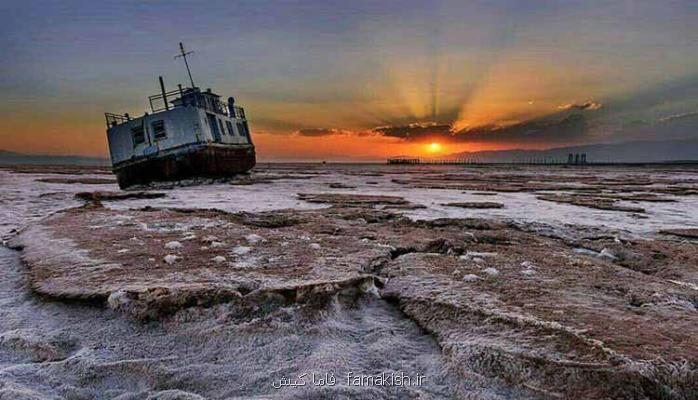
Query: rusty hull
201	160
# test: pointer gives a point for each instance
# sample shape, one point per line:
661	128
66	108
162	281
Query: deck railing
157	101
181	98
193	97
116	119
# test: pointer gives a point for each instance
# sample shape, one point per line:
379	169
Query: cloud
679	117
567	129
562	127
588	105
317	132
671	127
415	131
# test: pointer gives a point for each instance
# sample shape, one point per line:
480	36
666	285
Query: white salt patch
173	245
240	250
122	251
480	254
217	244
685	284
162	226
524	207
315	246
171	259
218	259
254	238
491	271
244	264
607	255
586	252
529	268
470	278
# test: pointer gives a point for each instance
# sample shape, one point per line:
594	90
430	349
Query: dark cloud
572	124
415	131
589	105
314	132
563	127
678	118
671	127
568	129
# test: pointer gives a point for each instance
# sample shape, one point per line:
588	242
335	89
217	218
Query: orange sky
351	148
89	139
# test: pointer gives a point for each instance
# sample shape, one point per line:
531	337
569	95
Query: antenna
184	55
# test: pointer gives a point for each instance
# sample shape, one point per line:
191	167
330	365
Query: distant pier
572	159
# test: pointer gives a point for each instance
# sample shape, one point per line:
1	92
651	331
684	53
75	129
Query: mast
164	94
183	54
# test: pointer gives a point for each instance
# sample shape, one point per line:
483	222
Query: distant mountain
635	151
10	157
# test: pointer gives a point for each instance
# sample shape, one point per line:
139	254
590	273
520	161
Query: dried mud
686	233
115	196
84	181
600	203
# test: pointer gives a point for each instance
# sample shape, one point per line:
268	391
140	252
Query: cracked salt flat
98	354
49	349
24	199
521	207
204	352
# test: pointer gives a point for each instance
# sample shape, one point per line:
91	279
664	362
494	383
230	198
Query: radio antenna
183	54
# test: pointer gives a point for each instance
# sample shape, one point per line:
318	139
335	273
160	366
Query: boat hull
206	161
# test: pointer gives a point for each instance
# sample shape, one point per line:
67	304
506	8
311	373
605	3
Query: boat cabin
179	118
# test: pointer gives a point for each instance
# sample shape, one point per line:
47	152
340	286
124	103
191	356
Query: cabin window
230	128
241	129
159	130
220	124
138	135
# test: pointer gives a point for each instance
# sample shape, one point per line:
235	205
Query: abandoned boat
189	133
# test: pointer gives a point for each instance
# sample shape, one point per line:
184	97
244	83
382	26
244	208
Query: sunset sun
434	147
